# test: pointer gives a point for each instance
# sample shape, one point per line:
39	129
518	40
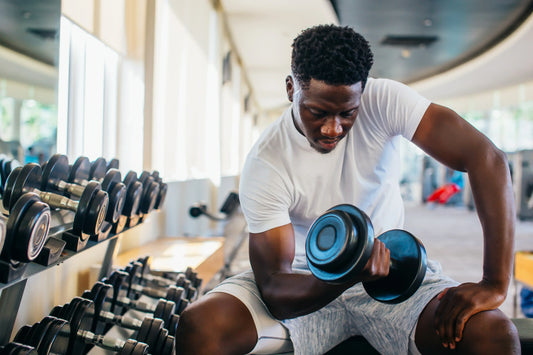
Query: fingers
378	264
451	315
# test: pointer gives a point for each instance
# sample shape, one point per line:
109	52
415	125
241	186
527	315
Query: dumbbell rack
12	292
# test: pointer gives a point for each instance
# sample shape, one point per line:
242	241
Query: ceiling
411	39
30	28
457	35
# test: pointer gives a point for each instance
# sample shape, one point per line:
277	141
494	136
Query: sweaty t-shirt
284	180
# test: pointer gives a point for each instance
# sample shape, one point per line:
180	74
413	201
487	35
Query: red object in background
444	193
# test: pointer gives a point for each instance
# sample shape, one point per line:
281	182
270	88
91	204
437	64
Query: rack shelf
12	291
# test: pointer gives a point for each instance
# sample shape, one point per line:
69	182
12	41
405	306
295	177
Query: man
338	143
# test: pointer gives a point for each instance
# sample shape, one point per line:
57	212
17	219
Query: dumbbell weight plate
149	196
117	197
164	310
55	171
117	194
149	332
98	169
130	177
88	208
169	345
56	338
150	193
116	280
175	294
111	177
26	229
23	335
160	201
133	199
407	271
172	325
161	339
97	211
133	347
80	171
38	331
8	165
339	243
15	348
99	294
28	179
8	188
80	314
113	164
33	230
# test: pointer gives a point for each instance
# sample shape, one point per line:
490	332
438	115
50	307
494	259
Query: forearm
290	295
493	196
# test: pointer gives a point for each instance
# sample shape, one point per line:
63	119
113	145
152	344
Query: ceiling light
406	53
408	40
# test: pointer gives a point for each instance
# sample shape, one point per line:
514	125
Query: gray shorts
388	328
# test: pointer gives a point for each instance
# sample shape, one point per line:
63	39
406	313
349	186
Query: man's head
330	66
333	54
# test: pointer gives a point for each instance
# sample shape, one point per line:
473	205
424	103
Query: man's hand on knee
458	304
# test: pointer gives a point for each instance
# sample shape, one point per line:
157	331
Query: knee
196	331
215	324
491	332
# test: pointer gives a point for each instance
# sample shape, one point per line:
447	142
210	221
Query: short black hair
334	54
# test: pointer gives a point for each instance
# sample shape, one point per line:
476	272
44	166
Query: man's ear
289	86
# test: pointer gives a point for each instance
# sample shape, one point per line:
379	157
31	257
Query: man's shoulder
379	84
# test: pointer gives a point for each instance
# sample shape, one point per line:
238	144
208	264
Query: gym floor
451	235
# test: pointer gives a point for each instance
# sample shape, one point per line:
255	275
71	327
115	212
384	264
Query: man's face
324	113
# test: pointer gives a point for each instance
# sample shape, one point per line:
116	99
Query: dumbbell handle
72	189
149	291
136	305
58	201
105	342
121	321
157	280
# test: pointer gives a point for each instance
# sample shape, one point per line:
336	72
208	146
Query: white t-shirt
284	180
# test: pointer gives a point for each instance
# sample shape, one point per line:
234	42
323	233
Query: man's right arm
291	294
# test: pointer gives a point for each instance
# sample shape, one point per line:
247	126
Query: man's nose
331	128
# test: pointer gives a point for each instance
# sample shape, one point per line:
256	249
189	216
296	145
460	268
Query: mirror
29	56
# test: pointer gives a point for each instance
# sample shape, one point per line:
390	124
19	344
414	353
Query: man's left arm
447	137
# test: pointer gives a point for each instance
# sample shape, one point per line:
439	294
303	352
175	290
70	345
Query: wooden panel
204	254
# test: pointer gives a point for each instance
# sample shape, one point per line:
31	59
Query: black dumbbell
7	165
163	188
90	210
134	270
150	191
80	312
113	164
164	309
15	348
53	335
24	232
134	194
168	277
340	242
123	285
140	277
59	178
